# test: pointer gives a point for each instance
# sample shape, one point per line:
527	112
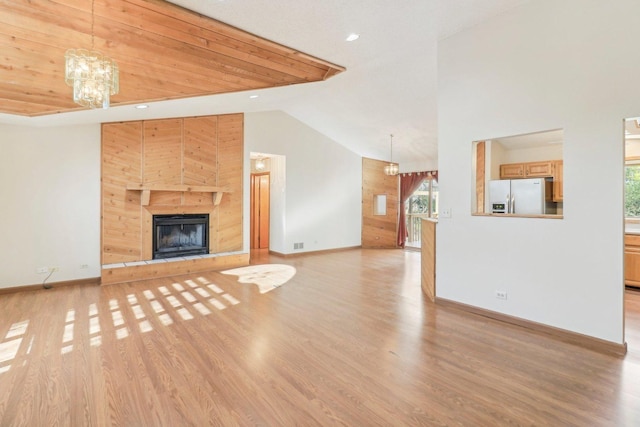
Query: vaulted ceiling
175	59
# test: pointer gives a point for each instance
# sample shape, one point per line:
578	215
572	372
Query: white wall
533	154
496	158
545	65
50	209
322	192
277	203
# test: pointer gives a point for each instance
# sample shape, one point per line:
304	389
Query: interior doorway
260	201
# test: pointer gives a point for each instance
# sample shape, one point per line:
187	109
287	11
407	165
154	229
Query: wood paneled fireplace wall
166	167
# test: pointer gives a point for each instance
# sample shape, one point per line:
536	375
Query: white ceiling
532	140
389	86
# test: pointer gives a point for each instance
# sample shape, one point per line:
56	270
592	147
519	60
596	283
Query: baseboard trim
90	281
322	251
575	338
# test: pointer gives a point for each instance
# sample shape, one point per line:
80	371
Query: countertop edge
519	216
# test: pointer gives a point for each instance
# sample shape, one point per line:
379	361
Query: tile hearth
164	260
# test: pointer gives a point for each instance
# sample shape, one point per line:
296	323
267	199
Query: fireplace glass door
180	235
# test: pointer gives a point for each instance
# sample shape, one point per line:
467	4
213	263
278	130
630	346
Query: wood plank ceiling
163	52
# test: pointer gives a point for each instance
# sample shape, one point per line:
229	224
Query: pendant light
392	168
93	76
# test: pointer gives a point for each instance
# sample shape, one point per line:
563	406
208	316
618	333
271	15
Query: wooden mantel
216	192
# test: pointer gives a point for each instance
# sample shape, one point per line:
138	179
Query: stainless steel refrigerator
530	196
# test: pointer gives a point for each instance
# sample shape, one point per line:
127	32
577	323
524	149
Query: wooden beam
480	176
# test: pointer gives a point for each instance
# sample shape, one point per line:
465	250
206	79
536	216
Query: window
424	201
632	190
419	200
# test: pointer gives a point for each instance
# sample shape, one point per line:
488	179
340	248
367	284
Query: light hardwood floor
348	341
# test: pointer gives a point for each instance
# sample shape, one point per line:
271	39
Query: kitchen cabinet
526	170
512	170
632	260
538	169
558	181
544	169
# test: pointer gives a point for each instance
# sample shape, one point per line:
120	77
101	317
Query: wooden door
260	211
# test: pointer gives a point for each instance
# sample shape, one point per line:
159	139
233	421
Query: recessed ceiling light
352	37
253	96
142	106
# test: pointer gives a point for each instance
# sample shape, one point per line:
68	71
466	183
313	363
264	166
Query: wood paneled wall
121	210
230	151
379	231
198	151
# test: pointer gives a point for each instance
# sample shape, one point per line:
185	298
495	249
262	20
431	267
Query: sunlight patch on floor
266	276
143	309
215	289
217	304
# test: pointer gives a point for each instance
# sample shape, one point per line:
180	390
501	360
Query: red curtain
409	182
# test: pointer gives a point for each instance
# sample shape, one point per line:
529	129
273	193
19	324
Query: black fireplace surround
180	235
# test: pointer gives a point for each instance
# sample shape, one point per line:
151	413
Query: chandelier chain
392	168
93	19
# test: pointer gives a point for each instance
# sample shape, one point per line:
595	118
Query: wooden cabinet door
558	182
632	260
512	170
632	266
538	169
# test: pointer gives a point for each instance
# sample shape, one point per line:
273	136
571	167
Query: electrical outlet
42	270
501	294
83	266
298	245
446	213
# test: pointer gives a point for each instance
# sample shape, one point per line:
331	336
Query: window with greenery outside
632	191
419	200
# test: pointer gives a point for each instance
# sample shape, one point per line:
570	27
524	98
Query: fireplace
180	235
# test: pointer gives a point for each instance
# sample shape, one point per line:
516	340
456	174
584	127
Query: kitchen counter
631	226
521	216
